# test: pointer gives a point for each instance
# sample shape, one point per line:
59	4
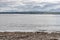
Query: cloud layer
29	5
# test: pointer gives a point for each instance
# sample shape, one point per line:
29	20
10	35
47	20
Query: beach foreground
29	36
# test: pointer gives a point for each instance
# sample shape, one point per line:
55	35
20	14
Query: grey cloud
28	6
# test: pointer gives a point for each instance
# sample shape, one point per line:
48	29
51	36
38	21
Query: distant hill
29	12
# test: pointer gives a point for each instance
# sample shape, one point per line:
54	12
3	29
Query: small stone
53	39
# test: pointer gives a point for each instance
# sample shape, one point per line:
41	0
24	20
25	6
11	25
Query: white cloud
51	0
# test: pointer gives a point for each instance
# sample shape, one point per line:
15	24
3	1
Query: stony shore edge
29	36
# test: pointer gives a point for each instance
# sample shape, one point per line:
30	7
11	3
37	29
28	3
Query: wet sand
29	36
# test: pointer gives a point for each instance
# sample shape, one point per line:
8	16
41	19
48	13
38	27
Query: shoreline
29	36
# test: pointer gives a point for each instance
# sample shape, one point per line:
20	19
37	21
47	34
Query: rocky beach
29	36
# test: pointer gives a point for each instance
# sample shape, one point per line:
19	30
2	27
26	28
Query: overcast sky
29	5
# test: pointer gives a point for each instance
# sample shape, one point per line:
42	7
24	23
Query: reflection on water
58	19
29	22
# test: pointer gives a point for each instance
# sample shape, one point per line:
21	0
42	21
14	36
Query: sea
29	23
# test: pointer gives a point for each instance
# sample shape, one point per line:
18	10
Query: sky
29	5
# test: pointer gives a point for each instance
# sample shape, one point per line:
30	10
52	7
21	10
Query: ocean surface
29	22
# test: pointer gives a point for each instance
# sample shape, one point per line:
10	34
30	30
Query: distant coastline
29	12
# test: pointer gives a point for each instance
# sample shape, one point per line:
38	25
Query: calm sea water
29	22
